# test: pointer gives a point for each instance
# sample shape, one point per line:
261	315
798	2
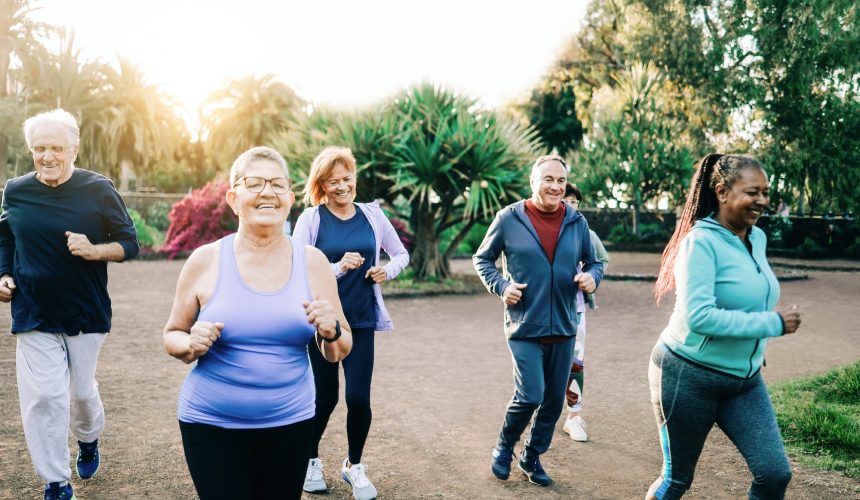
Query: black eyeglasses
280	185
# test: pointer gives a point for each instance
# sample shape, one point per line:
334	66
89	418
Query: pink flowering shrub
406	237
201	217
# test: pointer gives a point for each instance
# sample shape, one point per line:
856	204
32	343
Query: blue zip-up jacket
724	300
548	304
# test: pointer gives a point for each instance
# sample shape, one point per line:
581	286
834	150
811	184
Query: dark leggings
357	371
689	399
247	463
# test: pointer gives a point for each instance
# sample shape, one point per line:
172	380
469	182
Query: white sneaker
576	428
356	476
314	479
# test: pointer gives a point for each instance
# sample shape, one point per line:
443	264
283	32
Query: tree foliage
552	110
246	112
632	155
436	157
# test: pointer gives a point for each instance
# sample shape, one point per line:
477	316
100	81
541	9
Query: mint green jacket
724	300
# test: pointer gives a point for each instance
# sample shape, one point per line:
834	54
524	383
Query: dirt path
440	388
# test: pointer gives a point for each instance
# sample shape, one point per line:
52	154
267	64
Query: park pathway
441	385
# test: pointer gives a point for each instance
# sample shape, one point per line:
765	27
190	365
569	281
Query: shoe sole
520	467
319	489
90	476
502	477
346	479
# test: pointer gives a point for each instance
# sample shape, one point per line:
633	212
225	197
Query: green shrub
148	237
158	215
778	230
648	233
619	234
809	246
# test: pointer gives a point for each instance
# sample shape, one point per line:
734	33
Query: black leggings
247	463
358	371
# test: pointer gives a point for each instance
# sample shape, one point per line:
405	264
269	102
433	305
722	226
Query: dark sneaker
501	464
88	459
530	465
53	491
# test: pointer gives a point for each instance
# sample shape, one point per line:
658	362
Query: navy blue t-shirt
337	237
57	292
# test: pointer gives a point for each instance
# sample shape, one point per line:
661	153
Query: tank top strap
227	267
300	268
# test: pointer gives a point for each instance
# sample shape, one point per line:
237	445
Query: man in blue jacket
541	240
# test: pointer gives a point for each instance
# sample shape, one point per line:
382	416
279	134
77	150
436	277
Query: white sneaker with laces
314	479
356	476
576	428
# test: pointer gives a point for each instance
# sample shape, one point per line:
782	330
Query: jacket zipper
766	297
551	269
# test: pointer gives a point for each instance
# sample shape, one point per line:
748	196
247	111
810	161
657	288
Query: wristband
336	332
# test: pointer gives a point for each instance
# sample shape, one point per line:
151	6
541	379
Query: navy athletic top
257	374
335	238
58	292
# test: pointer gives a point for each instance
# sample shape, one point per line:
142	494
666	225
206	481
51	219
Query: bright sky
335	52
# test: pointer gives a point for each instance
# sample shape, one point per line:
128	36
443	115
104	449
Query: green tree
134	125
633	155
789	68
246	113
18	37
454	164
552	110
435	157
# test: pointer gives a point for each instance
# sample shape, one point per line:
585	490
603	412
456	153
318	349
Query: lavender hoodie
387	239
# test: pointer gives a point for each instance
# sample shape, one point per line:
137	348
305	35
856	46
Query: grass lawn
820	419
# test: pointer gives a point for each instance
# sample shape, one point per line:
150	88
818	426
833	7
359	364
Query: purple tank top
257	374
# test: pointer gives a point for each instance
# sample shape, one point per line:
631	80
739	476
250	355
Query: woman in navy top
350	235
246	308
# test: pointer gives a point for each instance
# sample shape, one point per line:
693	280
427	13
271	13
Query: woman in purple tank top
246	308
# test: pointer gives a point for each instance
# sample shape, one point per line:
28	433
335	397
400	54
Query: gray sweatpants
58	391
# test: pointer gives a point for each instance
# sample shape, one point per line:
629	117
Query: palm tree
246	113
455	164
134	125
18	37
62	79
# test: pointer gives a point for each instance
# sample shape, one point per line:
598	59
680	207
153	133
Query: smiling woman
705	367
247	308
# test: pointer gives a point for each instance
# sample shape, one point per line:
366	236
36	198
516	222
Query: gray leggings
689	399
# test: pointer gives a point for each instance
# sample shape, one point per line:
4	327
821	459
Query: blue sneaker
501	464
53	491
88	459
531	467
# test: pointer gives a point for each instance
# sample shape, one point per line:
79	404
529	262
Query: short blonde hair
58	118
254	154
321	169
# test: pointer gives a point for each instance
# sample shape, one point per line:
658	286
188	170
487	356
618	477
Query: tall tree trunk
426	260
126	175
4	153
452	247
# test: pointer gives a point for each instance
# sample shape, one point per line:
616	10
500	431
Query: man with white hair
59	228
542	240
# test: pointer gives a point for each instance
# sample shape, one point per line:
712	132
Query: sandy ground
440	389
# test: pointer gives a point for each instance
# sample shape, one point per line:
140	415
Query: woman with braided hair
705	368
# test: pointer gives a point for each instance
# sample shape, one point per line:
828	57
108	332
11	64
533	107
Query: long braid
713	169
700	203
